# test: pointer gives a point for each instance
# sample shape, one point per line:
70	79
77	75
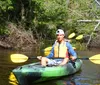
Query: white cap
60	31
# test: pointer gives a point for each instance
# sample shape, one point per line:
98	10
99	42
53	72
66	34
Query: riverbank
20	39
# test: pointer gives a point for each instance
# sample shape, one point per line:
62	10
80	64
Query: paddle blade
48	48
18	58
95	59
46	53
71	35
79	37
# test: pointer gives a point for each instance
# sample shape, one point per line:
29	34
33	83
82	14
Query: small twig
88	20
92	34
97	1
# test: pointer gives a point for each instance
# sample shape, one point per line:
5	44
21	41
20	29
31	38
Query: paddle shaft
83	58
63	58
58	58
37	58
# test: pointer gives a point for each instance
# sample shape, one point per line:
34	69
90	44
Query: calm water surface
88	75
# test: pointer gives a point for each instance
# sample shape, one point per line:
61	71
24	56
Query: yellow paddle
20	58
79	37
48	48
71	35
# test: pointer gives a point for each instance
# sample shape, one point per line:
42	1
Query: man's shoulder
67	40
68	44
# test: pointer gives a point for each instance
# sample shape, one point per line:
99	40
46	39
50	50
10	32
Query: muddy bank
95	42
18	38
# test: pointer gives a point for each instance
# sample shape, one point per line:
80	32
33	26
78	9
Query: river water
88	75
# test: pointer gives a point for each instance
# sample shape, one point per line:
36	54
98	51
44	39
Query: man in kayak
61	49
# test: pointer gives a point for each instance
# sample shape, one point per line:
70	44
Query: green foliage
5	8
85	28
10	8
44	16
82	10
3	30
51	10
48	15
5	4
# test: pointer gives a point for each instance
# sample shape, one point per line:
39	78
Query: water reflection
69	83
66	83
78	81
12	79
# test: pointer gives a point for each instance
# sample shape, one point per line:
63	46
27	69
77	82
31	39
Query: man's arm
65	60
71	50
49	56
51	53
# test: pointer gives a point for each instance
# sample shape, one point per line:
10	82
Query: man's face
60	37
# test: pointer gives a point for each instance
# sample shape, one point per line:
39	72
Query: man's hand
73	58
39	57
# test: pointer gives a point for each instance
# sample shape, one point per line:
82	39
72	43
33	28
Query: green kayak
34	72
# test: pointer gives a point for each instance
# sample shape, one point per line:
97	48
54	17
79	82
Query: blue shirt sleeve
71	50
51	53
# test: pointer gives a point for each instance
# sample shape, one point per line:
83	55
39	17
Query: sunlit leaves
10	8
51	10
5	5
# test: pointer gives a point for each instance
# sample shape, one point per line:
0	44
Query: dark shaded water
88	75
